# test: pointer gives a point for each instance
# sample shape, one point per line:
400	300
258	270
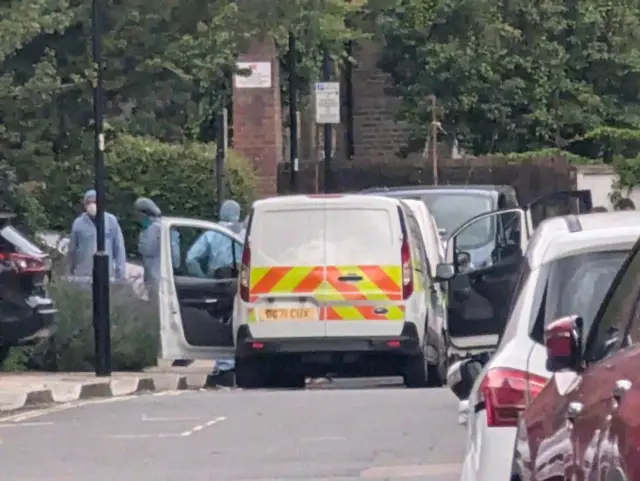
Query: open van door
195	303
486	254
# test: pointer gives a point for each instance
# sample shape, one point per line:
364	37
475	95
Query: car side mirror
445	272
563	341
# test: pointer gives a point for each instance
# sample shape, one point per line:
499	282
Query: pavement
31	389
338	431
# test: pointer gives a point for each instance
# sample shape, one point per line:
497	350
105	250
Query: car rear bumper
407	343
27	325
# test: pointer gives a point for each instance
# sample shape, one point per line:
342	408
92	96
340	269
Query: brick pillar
257	119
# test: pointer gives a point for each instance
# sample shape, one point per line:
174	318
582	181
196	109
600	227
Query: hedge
134	332
179	177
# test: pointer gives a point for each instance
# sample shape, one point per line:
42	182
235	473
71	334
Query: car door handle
621	388
574	410
350	278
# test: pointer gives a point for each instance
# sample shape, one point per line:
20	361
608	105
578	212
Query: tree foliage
167	69
516	76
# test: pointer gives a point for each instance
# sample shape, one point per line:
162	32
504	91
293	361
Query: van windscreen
309	237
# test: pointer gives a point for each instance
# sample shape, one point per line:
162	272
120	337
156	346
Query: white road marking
19	425
16	418
149	419
200	427
142	436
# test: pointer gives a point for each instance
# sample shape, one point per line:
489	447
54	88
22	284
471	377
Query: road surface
336	432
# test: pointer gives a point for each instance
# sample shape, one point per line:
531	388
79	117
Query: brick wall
378	135
257	119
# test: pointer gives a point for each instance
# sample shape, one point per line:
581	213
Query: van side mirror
563	341
445	272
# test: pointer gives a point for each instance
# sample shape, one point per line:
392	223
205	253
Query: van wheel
415	372
250	374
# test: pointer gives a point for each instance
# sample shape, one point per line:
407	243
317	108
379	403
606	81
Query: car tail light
407	269
245	273
23	263
506	393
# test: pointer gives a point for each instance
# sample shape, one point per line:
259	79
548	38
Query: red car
585	424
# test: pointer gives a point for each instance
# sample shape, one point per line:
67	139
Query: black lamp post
101	321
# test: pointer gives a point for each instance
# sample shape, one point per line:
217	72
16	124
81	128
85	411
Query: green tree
514	76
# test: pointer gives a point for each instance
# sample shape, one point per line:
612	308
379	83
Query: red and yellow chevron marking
363	313
379	283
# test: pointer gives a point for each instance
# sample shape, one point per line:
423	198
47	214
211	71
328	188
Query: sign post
327	110
327	102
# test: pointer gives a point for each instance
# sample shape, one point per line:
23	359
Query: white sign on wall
259	77
327	102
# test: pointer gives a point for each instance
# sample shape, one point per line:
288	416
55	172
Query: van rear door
362	294
287	270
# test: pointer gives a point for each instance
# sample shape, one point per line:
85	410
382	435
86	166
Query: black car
453	205
27	314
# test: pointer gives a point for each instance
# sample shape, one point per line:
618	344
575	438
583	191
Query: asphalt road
343	431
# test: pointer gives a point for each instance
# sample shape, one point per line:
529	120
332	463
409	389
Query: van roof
288	201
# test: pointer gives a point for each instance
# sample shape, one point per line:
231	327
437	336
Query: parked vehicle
568	267
584	424
453	205
335	284
27	315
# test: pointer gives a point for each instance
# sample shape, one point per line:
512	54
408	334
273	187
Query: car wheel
415	372
250	373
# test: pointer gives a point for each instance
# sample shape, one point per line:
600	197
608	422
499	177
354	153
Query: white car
335	284
569	265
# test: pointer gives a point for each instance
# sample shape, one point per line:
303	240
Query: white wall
599	179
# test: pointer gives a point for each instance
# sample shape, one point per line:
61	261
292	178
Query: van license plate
288	314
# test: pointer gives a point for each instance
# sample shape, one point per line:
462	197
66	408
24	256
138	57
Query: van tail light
506	393
23	263
407	269
245	272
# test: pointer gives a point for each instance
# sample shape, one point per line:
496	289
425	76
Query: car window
451	210
417	243
620	306
197	252
575	284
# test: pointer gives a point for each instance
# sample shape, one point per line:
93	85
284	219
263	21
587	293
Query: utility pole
434	138
100	285
293	113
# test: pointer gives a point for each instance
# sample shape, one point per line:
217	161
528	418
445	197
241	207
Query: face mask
145	222
91	209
